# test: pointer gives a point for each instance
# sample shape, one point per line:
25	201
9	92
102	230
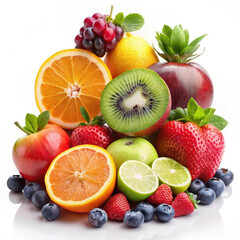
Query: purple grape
88	33
109	46
87	44
119	33
99	43
100	52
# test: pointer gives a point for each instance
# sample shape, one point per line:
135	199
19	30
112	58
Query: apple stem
19	126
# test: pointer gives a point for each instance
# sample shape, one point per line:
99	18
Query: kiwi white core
136	97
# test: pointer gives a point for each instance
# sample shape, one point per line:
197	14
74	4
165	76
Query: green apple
130	148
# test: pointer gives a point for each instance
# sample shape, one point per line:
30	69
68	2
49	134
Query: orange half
81	178
68	80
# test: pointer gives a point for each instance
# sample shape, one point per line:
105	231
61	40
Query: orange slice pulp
70	79
81	178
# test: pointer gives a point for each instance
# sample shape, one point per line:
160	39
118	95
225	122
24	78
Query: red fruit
108	34
116	207
33	153
78	40
184	204
97	15
101	136
186	80
200	149
88	22
99	26
162	195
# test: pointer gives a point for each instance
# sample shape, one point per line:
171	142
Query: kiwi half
135	100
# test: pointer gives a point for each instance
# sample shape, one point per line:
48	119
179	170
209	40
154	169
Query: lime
172	173
137	180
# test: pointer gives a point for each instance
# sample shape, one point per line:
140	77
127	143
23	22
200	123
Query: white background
31	31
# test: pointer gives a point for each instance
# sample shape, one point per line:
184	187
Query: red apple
33	153
186	80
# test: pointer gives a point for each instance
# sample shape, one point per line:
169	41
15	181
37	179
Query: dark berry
78	40
88	22
165	212
225	175
119	33
133	218
87	44
51	211
97	15
109	46
88	33
40	198
206	196
217	185
98	43
196	185
99	26
100	52
108	34
30	189
147	210
16	183
97	217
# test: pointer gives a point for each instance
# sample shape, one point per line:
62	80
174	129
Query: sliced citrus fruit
137	180
172	173
81	178
70	79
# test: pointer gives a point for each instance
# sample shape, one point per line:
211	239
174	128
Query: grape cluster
98	35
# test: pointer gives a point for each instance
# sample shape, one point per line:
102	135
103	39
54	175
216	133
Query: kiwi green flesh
134	100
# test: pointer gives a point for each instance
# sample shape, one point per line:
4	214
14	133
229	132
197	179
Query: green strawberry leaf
218	122
164	39
98	120
84	114
119	19
178	114
43	119
197	40
132	22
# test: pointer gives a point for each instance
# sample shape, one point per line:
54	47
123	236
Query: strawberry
193	137
162	195
116	207
93	132
184	204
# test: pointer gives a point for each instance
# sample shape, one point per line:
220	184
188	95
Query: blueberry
30	189
97	217
51	211
165	212
16	183
217	185
196	185
147	210
133	218
206	196
40	198
225	175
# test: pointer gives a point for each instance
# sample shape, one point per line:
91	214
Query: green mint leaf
84	114
98	120
164	39
197	40
31	123
186	33
192	108
82	124
208	115
178	114
177	40
167	30
199	114
132	22
43	119
218	122
119	18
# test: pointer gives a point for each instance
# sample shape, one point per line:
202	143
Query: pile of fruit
143	145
